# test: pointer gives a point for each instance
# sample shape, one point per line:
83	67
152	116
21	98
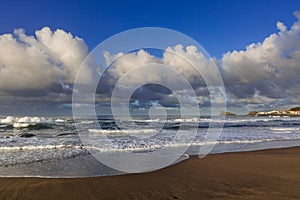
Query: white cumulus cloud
270	68
40	61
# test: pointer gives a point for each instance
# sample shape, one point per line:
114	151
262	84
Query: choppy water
51	146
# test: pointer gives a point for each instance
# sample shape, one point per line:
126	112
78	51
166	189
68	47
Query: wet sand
266	174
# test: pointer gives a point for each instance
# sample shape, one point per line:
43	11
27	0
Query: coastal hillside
293	112
223	113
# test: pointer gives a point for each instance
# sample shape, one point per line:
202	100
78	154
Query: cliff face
292	112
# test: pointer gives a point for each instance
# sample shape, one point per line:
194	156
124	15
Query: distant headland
223	113
293	112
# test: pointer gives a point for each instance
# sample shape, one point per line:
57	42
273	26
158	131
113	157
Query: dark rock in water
63	134
26	135
8	127
39	126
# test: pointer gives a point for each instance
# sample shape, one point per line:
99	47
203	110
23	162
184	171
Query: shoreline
261	174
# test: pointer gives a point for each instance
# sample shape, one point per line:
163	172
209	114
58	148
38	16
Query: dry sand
267	174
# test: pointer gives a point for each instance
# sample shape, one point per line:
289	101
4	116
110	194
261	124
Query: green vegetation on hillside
295	109
252	113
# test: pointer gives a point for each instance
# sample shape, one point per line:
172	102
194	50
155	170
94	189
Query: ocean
61	146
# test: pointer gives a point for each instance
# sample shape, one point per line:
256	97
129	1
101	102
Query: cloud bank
266	75
43	67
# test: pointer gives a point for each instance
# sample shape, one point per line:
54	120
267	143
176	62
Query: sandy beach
266	174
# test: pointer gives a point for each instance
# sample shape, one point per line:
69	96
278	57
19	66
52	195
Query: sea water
57	146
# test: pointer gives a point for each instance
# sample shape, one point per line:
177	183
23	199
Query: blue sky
256	44
219	25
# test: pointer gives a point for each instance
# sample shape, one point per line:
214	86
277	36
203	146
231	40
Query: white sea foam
117	132
23	122
148	120
131	146
244	120
38	147
87	122
283	129
136	147
21	125
32	120
7	120
59	120
187	120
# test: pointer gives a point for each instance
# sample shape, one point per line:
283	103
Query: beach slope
266	174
